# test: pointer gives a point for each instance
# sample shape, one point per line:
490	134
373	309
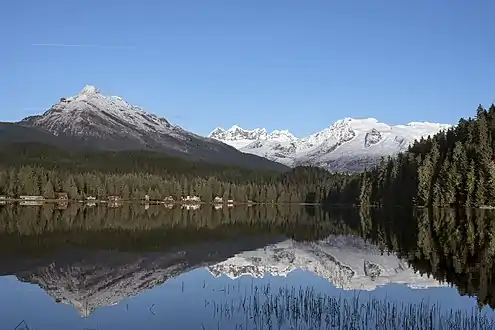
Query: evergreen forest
452	168
41	170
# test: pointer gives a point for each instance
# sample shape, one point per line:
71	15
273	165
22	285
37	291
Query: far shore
151	202
169	203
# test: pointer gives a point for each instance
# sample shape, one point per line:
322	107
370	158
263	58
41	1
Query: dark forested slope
452	168
38	169
210	151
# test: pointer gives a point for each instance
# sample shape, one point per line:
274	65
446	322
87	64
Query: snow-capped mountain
88	286
111	123
239	137
83	114
348	262
346	145
89	280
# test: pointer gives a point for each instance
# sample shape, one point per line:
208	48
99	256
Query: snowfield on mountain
348	262
348	144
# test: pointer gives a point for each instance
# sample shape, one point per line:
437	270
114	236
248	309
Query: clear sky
279	64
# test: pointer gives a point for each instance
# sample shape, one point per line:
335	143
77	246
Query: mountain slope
90	279
11	133
110	123
347	145
347	262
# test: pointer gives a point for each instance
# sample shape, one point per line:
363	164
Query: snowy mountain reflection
227	278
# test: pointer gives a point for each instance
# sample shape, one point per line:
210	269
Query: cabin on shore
32	198
90	198
62	196
29	202
114	198
191	199
218	200
147	198
3	200
169	199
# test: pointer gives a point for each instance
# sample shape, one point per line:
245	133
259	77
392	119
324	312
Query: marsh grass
304	308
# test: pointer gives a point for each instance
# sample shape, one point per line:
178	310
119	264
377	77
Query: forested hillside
37	169
452	168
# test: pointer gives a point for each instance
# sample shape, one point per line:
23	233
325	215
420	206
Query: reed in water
305	308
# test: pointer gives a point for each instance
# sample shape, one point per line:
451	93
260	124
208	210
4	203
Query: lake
259	267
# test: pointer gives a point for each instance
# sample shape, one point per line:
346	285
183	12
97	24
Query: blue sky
279	64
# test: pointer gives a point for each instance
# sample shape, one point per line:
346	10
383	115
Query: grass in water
304	308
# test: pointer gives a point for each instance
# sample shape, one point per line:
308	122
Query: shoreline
135	201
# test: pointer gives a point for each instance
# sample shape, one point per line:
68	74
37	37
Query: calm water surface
133	267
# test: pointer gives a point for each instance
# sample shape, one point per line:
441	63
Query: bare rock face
372	137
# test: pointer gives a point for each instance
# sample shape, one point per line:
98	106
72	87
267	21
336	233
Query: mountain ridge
349	144
349	263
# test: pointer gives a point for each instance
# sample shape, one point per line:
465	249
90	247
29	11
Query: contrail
84	46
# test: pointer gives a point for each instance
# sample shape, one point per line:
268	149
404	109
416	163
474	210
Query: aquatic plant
305	308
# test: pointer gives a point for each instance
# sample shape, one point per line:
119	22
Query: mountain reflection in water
134	268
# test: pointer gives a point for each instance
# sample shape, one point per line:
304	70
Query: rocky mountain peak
217	131
90	113
88	90
282	135
239	137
